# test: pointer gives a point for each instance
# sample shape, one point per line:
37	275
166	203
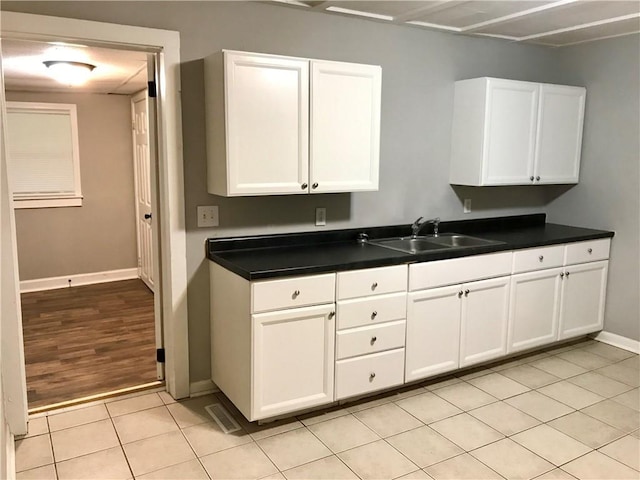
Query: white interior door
142	168
13	389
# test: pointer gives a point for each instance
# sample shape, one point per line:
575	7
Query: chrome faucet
417	226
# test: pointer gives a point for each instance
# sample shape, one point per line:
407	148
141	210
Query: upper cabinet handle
541	257
590	250
315	185
538	178
531	178
304	186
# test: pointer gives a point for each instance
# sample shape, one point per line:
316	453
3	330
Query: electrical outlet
467	206
208	216
321	217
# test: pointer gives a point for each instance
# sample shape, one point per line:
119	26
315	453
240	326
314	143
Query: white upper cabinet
559	141
508	132
273	129
345	126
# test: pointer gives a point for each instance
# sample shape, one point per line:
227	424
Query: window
43	154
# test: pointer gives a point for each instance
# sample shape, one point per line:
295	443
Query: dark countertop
271	256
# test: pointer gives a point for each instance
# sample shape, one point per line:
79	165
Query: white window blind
42	143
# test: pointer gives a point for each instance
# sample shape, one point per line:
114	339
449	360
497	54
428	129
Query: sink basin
430	242
457	240
409	244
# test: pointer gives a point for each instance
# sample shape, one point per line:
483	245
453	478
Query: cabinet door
267	124
582	301
533	309
510	134
559	143
293	359
345	127
485	313
433	332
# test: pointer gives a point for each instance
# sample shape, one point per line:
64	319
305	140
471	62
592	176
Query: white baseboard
52	283
203	387
618	341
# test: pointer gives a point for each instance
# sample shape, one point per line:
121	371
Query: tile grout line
124	453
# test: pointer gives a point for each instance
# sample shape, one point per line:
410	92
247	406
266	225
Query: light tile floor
568	412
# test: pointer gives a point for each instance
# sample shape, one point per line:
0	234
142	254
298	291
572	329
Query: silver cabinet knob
304	186
374	314
374	285
466	293
568	274
590	250
372	375
562	275
373	339
541	257
331	315
538	178
531	178
315	185
296	293
460	294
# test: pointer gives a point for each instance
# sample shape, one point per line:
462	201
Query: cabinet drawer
372	281
459	270
370	339
292	292
370	310
538	258
360	375
590	251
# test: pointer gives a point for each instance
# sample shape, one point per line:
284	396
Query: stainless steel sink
409	244
457	240
432	242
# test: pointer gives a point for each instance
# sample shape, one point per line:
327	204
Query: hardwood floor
86	340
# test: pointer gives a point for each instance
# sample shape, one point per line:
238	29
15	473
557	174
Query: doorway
89	327
171	278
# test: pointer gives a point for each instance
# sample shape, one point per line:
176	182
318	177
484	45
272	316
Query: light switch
208	216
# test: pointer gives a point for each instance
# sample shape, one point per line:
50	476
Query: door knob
147	216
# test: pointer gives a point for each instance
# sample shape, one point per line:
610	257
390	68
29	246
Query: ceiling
551	23
117	71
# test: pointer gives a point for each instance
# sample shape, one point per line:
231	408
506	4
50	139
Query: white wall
419	68
608	195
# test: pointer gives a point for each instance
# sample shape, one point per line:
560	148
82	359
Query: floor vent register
223	418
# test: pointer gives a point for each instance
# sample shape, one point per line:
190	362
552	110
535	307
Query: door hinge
152	89
160	355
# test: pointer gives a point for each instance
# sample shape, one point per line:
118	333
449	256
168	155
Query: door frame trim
173	262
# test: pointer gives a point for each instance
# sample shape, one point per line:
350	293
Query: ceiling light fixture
68	72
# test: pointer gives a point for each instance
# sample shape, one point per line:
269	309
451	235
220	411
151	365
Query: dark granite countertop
271	256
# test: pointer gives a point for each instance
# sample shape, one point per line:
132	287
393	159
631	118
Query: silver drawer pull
374	285
373	340
590	250
374	314
372	375
295	293
541	257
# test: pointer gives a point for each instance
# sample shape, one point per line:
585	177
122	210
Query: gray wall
419	68
608	195
100	235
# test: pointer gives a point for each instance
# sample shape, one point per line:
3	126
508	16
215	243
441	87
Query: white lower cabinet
371	330
293	359
433	332
284	345
553	304
583	295
484	320
534	309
